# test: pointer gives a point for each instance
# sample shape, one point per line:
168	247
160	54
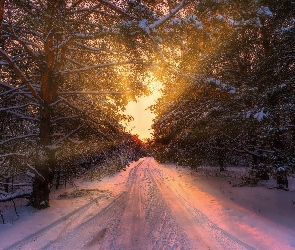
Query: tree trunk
265	38
221	154
265	41
49	87
41	189
1	21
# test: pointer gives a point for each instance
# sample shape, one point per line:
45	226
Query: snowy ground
153	206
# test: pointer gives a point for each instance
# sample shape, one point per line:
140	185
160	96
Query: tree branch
20	74
169	15
117	9
17	137
94	93
20	194
92	67
65	137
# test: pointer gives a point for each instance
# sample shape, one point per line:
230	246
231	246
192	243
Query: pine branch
169	15
93	93
102	65
117	9
20	74
20	194
17	138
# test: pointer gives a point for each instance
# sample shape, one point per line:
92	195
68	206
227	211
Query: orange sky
142	117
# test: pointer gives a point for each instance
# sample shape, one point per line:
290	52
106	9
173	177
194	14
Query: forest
69	67
228	95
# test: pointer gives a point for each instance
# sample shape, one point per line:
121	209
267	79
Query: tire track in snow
101	228
21	244
33	237
223	239
151	214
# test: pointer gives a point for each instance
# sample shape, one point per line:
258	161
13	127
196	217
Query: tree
233	101
66	68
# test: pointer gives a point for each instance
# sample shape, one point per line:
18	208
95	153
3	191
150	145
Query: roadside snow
262	215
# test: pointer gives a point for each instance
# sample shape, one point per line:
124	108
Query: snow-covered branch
69	104
77	36
83	112
17	138
88	48
57	102
67	117
73	61
117	9
169	15
20	74
65	137
18	107
94	92
14	91
102	65
22	116
12	154
16	184
20	194
36	173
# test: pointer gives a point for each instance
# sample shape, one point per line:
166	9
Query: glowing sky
142	117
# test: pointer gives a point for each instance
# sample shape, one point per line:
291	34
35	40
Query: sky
143	117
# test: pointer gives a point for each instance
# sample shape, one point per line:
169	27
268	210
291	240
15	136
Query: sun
143	117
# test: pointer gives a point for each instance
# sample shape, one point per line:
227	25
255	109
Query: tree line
229	99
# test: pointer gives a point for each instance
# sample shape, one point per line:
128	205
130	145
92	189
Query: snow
21	74
8	197
35	171
31	221
287	28
54	146
75	141
17	137
220	17
22	116
195	20
231	89
259	217
191	19
28	173
263	10
260	115
21	106
174	21
258	22
168	16
143	24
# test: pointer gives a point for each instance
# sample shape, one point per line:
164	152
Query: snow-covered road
159	207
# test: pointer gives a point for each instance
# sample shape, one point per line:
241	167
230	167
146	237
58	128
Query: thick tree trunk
45	164
49	87
41	189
